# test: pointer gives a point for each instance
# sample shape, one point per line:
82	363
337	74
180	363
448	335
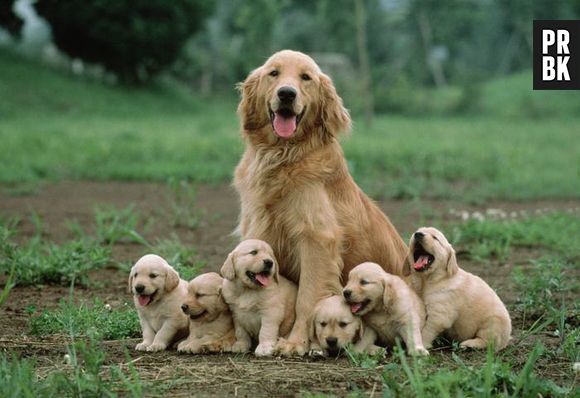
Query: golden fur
297	194
211	328
458	303
261	312
387	305
162	320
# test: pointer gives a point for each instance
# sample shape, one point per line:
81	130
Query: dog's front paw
241	347
316	352
264	349
375	349
186	347
289	348
156	347
141	347
419	350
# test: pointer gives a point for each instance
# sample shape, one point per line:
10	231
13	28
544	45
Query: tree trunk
363	60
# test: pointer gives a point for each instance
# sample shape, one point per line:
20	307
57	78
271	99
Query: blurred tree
8	19
134	39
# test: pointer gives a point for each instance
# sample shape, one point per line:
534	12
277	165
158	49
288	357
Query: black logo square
557	55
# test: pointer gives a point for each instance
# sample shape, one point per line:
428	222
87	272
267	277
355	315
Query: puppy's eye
254	252
274	73
434	237
323	324
305	77
152	276
135	275
364	282
199	295
342	324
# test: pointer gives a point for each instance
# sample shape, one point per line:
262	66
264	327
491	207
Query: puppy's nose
346	293
139	288
287	93
184	307
268	263
418	235
331	341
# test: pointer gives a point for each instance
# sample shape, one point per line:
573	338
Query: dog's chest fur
246	306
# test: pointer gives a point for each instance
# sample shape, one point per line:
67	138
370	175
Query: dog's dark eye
254	252
364	282
198	295
305	76
342	324
274	73
135	275
323	324
152	276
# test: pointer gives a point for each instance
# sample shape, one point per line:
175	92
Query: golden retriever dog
387	305
211	327
158	293
458	303
333	327
295	188
261	300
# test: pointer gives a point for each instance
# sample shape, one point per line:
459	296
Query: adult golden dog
295	189
457	302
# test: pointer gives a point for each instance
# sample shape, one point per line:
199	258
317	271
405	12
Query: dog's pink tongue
355	307
421	262
263	279
284	126
144	300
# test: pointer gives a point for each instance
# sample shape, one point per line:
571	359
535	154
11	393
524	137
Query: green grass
87	319
56	127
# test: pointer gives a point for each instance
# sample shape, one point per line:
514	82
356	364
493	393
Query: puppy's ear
276	275
130	283
312	328
171	279
407	263
388	293
361	330
227	269
249	109
452	266
333	115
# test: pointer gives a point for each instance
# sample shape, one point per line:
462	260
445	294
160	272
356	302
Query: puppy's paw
420	351
316	352
289	348
156	347
375	349
264	349
241	347
141	347
186	347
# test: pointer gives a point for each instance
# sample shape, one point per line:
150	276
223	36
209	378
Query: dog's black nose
346	293
184	307
418	235
139	288
331	341
287	93
268	263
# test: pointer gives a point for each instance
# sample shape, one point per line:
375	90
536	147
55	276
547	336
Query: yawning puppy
333	327
158	293
262	302
211	327
386	304
458	303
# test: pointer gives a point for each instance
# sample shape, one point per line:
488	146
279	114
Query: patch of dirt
206	375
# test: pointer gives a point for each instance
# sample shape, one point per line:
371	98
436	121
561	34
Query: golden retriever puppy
333	327
458	303
158	293
211	328
386	304
262	302
295	189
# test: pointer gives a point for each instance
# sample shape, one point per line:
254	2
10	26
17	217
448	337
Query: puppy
158	293
457	302
387	304
333	327
262	302
211	327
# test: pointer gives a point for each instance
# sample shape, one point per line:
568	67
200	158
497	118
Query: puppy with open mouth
158	293
261	300
387	305
458	303
211	328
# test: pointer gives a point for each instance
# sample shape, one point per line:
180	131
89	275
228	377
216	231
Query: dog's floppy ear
452	266
388	292
171	279
361	329
252	117
312	327
333	115
276	275
227	269
130	282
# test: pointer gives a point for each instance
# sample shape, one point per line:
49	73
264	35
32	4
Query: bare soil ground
223	375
